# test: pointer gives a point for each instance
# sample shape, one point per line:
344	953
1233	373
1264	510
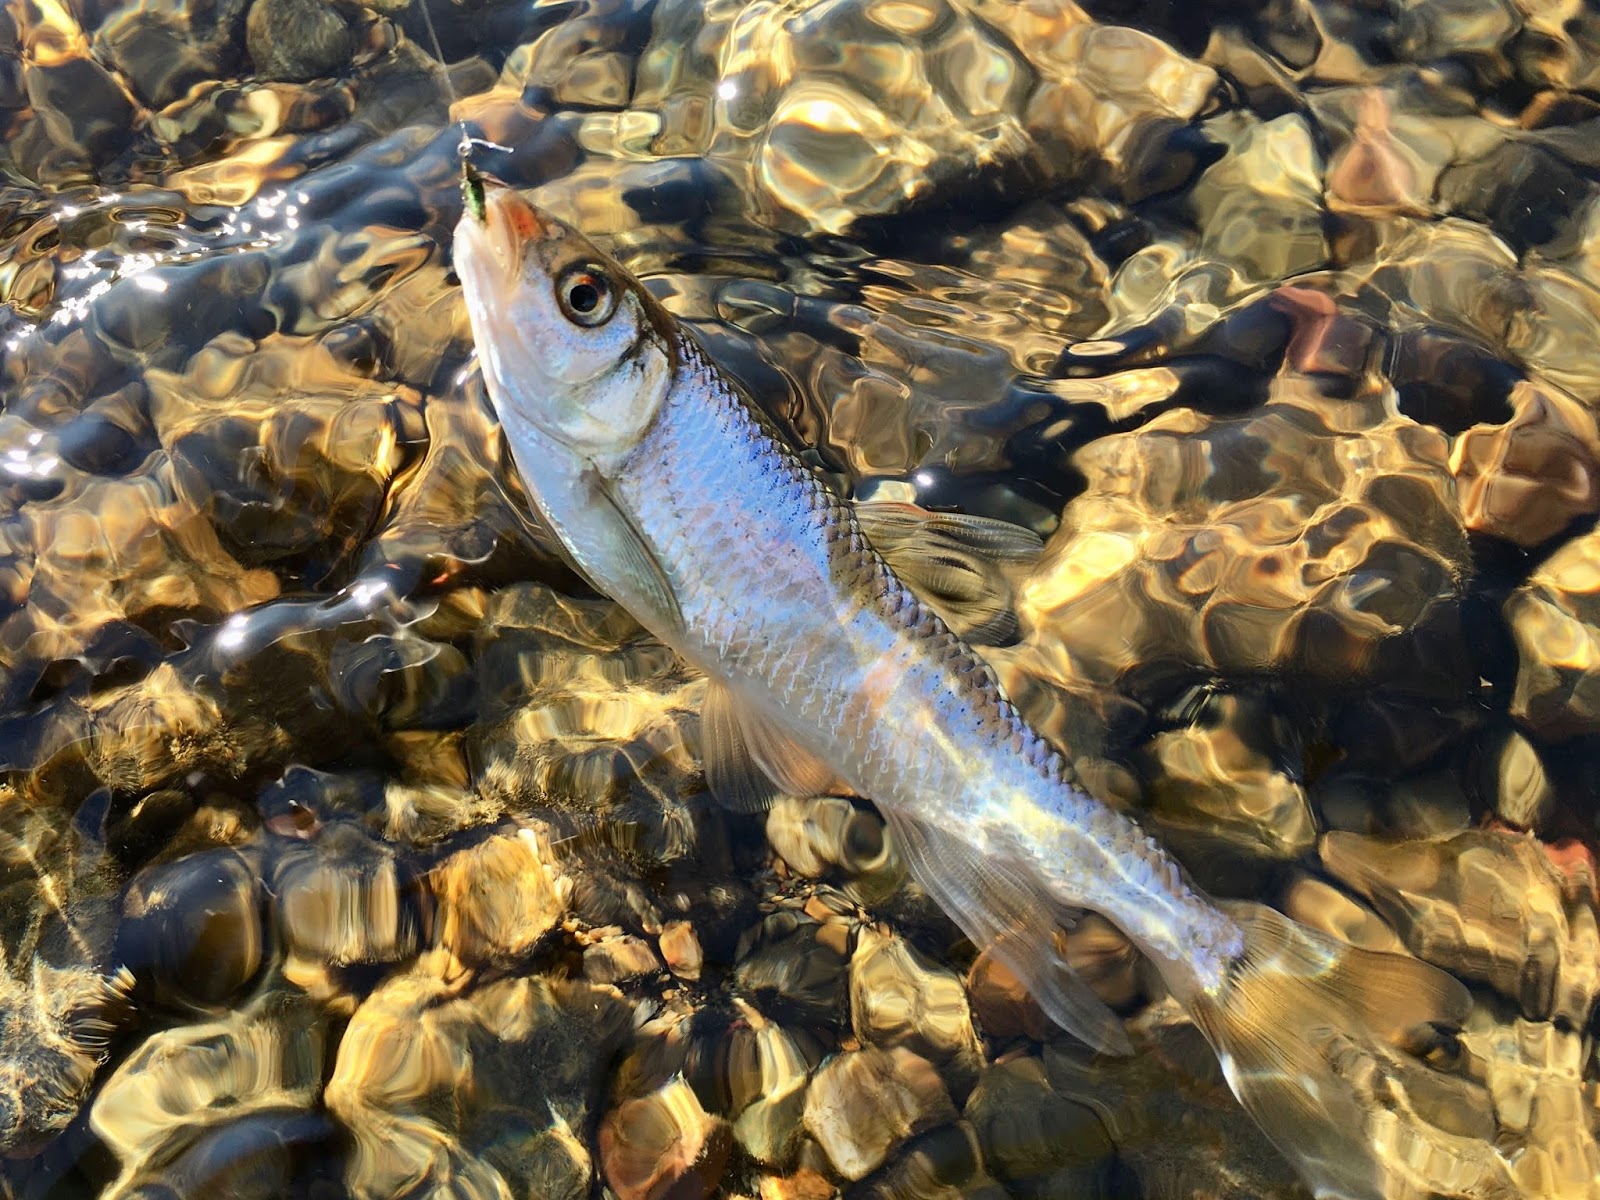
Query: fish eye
586	295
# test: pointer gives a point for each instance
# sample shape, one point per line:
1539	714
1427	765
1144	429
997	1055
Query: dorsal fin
956	564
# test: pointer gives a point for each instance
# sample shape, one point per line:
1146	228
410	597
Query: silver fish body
672	496
782	596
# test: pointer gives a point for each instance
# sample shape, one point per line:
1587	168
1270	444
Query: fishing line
471	185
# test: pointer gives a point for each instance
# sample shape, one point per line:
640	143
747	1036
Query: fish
829	674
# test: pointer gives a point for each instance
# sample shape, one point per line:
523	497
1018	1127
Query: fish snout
509	225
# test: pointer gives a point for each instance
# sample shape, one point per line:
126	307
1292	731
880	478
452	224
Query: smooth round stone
767	1071
788	968
343	900
619	960
495	899
1516	780
94	443
504	1074
1030	1135
943	1164
680	947
898	997
267	1053
194	926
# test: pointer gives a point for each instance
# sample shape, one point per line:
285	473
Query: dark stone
194	928
295	41
1523	192
93	442
1449	382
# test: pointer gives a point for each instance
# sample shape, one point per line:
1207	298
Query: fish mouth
491	242
500	222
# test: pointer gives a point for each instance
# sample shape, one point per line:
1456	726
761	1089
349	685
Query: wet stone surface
349	845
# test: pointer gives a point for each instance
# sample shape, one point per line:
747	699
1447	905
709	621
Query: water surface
350	846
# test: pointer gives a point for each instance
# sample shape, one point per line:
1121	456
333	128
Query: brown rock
343	900
819	836
663	1145
1340	539
1001	1004
1516	783
1555	620
943	1164
496	899
1526	480
1260	205
897	997
1029	1133
863	1103
618	959
480	1092
267	1054
681	949
804	1184
767	1069
1375	172
1319	905
1212	781
1534	1073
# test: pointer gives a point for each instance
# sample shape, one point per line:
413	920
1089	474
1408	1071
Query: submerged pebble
196	927
1034	1139
185	1082
342	901
486	1087
863	1103
899	998
1216	780
663	1144
768	1070
293	41
496	899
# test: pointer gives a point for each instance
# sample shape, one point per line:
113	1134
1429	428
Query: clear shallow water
370	853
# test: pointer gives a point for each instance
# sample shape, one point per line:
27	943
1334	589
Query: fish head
573	350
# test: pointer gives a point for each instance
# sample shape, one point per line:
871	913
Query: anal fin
732	777
1000	909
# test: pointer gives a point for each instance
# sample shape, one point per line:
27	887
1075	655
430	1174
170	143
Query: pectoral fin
607	534
956	564
749	761
1001	910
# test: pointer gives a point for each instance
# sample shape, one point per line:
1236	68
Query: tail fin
1324	1044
